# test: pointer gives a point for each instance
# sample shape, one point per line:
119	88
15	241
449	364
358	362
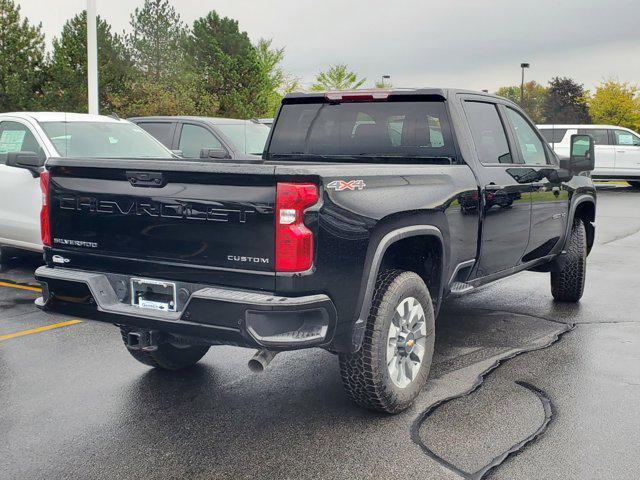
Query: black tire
5	255
635	185
168	356
365	374
567	284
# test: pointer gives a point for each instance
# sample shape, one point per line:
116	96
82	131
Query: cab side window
16	137
194	138
162	131
488	133
600	135
531	146
626	139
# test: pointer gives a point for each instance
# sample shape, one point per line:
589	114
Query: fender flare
572	214
369	279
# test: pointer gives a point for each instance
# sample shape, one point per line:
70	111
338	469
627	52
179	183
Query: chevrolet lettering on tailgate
155	208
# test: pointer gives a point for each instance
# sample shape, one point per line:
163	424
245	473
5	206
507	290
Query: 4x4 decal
340	185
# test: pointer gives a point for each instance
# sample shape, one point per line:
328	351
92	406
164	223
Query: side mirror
28	160
582	154
213	153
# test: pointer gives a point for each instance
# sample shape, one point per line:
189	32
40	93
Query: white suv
39	136
617	149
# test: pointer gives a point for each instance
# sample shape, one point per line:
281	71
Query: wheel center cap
406	342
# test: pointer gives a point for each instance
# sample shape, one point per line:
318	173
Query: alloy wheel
406	342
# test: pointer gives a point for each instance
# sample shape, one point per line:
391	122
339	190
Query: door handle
145	179
621	151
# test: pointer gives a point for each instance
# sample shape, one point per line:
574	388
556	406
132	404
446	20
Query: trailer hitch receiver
145	340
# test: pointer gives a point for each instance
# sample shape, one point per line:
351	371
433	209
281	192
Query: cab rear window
402	129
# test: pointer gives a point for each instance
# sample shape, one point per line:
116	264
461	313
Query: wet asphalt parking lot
521	387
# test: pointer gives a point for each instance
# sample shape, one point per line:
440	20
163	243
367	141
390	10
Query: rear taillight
294	241
45	231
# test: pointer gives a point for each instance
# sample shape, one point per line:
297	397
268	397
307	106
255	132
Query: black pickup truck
367	209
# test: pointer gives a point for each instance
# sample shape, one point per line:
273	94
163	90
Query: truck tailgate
166	214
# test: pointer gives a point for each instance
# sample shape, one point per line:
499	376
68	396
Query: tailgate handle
145	179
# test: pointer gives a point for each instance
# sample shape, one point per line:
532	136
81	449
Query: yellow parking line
20	287
38	330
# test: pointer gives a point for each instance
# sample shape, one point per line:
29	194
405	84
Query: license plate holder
152	294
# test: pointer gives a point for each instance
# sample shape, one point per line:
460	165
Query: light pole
385	77
92	58
522	66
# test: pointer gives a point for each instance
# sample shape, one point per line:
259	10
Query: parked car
205	137
35	137
617	149
368	210
266	121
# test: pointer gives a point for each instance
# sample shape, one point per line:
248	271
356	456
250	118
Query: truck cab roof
444	93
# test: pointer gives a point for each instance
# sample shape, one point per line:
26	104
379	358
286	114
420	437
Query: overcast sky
476	44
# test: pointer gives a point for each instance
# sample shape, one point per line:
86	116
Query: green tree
166	82
337	77
21	59
566	102
617	104
535	96
279	83
66	88
384	85
156	40
182	95
229	66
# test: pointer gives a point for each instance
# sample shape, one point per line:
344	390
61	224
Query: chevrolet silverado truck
366	210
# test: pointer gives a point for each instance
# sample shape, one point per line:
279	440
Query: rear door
627	146
20	197
549	199
507	203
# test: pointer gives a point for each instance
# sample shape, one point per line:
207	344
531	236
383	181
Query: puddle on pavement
465	336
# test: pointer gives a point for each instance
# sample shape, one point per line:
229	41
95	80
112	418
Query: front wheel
393	364
567	284
167	356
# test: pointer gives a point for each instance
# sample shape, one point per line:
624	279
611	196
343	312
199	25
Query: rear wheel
168	356
567	284
392	367
6	254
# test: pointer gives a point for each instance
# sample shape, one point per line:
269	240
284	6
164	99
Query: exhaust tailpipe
261	359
